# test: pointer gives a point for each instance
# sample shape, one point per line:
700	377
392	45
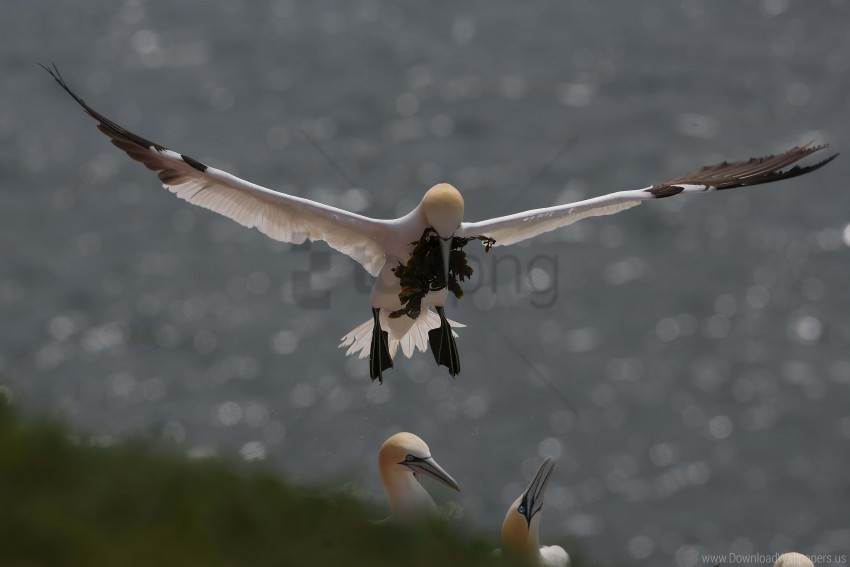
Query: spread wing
283	217
755	171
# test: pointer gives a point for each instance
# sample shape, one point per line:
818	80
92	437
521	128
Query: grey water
687	362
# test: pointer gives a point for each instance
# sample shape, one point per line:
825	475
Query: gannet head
520	530
406	454
793	560
443	208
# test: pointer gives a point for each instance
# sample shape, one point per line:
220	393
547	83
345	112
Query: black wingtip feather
778	173
661	191
113	129
103	120
745	173
194	163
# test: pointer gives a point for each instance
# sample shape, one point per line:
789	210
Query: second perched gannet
521	528
416	258
792	559
401	459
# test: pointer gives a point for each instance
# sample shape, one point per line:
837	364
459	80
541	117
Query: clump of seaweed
423	272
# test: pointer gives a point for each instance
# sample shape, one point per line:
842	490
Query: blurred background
686	362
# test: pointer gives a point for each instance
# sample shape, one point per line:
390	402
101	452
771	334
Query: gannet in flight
401	459
416	259
521	528
793	559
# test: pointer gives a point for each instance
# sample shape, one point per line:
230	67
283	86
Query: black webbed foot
443	345
379	356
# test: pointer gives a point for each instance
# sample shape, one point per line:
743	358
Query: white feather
359	339
553	556
277	215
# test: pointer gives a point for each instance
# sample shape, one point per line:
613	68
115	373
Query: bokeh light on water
676	357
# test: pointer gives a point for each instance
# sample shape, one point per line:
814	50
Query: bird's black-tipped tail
379	356
443	345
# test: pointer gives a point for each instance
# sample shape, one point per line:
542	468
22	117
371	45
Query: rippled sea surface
687	361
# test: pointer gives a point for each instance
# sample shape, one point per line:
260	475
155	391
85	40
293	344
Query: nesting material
423	272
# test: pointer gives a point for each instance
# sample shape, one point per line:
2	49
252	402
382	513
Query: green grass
66	503
69	503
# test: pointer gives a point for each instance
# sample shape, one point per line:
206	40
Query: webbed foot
443	344
379	355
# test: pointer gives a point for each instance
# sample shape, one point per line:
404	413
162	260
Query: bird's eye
410	458
521	509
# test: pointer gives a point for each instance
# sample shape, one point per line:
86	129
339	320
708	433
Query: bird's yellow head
793	559
443	208
396	449
406	453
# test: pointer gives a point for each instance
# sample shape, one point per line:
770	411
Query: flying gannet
417	258
521	528
401	459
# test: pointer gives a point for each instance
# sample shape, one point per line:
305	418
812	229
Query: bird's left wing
755	171
280	216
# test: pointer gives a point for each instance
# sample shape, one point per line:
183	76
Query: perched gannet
416	258
402	458
792	559
521	528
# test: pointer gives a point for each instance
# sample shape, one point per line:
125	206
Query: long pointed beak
430	468
446	249
532	498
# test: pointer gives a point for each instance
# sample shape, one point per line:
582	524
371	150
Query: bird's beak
430	467
532	498
446	249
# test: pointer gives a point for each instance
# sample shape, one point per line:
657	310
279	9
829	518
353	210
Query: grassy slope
63	503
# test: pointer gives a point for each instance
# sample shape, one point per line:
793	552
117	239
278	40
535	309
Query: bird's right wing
280	216
755	171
